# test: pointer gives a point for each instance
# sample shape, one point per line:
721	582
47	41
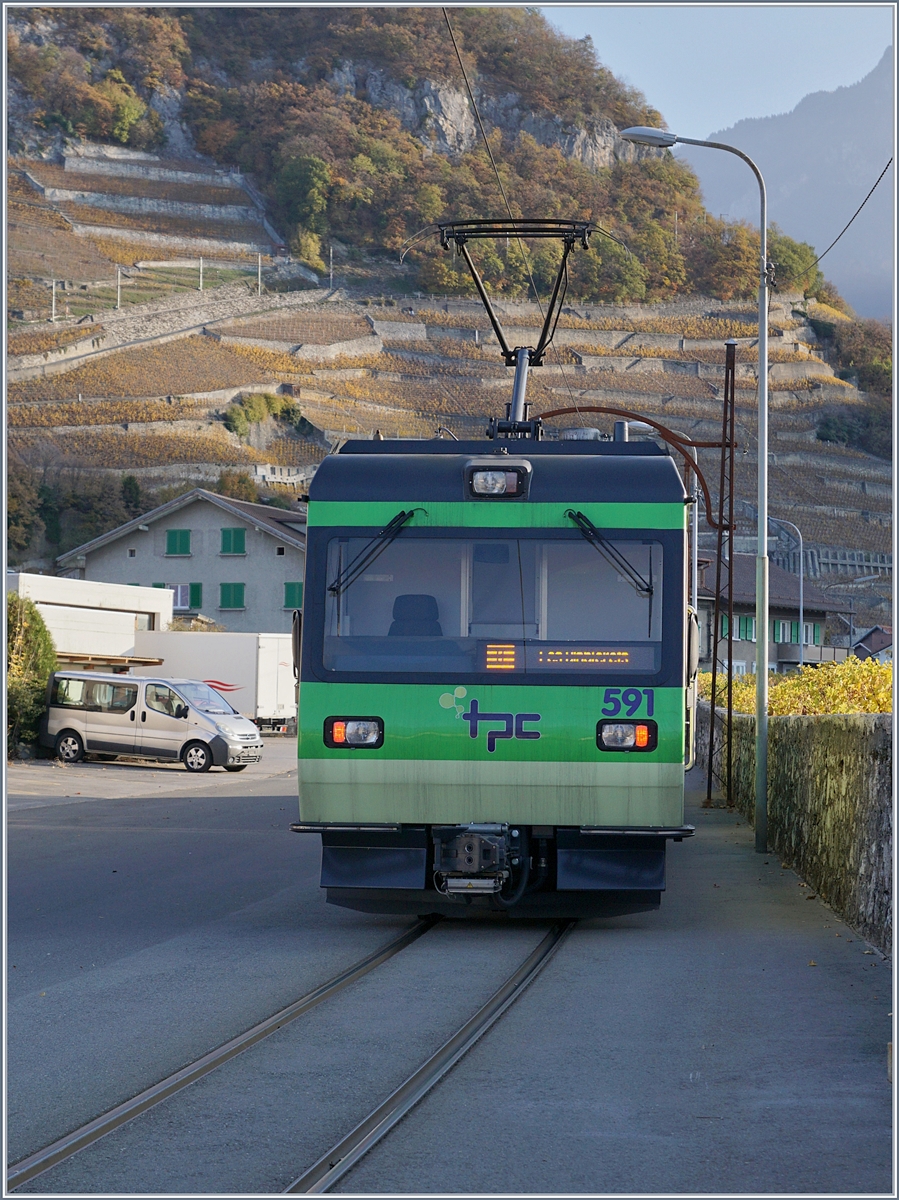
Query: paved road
696	1049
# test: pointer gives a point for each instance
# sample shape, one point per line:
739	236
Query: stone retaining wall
148	204
829	806
77	349
307	351
200	244
150	170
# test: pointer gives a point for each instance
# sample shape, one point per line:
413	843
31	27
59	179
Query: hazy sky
706	66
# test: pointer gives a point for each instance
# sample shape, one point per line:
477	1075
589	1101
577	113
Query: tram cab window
435	604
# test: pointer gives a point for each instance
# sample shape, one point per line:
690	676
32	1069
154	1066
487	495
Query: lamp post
659	137
795	528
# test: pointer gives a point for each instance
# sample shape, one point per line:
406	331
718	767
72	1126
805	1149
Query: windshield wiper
612	554
370	551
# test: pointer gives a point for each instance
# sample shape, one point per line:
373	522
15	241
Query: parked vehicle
253	671
170	720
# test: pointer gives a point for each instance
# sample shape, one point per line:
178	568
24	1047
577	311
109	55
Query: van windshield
202	697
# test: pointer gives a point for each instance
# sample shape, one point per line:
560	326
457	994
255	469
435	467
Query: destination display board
566	656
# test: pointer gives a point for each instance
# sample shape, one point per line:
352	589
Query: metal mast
721	727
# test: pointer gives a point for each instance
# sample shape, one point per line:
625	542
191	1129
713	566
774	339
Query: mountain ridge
819	160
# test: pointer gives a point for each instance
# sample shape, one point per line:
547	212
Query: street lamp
659	137
780	521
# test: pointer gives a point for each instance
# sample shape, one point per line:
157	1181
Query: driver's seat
415	616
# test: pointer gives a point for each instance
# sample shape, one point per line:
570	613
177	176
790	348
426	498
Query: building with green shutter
824	627
240	564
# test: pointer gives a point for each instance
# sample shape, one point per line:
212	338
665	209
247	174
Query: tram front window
463	605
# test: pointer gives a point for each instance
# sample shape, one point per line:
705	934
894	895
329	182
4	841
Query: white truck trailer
252	671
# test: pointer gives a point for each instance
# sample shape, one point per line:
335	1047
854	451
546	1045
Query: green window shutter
724	625
776	627
232	595
177	541
293	595
162	585
817	634
234	541
794	632
743	629
196	595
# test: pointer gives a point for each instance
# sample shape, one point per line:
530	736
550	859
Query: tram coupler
475	859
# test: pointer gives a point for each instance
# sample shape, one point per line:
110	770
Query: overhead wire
795	278
524	255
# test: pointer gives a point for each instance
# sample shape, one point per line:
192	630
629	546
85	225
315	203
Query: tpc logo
513	724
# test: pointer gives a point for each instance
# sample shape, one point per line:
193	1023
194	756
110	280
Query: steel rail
323	1174
69	1145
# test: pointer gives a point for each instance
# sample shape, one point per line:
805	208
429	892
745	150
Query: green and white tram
494	673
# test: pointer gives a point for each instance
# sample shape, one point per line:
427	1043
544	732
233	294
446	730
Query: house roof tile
286	525
783	587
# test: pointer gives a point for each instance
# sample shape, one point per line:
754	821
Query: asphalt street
734	1041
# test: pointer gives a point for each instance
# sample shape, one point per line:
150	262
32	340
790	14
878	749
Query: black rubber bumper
219	748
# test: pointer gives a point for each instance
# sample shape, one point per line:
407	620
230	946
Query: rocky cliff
441	117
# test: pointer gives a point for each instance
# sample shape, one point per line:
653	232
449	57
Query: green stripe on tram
424	721
476	514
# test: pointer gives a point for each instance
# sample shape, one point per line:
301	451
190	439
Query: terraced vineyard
314	328
636	360
172	226
194	364
53	176
37	340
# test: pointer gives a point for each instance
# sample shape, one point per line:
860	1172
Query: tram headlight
356	733
494	483
627	735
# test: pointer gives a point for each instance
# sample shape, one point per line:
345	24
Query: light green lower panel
452	792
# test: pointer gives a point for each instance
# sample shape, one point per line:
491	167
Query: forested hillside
143	139
355	125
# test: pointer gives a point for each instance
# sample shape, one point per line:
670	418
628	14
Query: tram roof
570	472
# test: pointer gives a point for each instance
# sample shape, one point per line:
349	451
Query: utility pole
118	287
258	274
331	269
201	273
675	228
53	302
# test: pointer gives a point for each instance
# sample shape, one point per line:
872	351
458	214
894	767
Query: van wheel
232	767
197	757
69	747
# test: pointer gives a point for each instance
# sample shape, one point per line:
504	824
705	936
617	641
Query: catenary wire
474	105
793	278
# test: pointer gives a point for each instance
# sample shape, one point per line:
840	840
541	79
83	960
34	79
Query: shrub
31	656
853	686
255	407
238	485
307	246
236	420
23	522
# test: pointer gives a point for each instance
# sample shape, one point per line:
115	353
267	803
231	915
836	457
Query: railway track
69	1145
341	1158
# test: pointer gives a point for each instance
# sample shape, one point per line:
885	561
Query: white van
171	720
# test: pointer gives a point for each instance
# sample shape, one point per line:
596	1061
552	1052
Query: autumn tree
30	658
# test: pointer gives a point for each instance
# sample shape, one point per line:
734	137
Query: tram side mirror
296	637
692	646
